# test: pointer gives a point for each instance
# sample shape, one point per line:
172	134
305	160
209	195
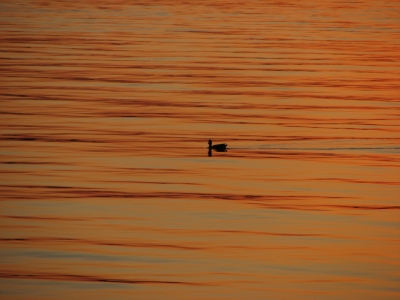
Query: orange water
107	191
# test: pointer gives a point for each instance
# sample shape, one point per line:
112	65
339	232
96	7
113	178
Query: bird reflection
217	147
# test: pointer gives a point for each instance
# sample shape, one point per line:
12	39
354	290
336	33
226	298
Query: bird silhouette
217	147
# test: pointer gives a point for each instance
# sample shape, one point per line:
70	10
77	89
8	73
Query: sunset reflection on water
107	188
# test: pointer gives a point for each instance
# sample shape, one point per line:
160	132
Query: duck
217	147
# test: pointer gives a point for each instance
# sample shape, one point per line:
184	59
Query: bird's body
217	147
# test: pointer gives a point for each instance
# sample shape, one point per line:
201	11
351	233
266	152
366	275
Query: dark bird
217	147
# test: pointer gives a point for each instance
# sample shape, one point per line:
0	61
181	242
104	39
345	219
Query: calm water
107	190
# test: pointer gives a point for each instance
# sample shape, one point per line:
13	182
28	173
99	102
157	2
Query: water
107	190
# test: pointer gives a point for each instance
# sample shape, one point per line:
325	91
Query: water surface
107	190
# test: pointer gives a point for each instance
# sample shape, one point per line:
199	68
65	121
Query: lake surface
107	190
